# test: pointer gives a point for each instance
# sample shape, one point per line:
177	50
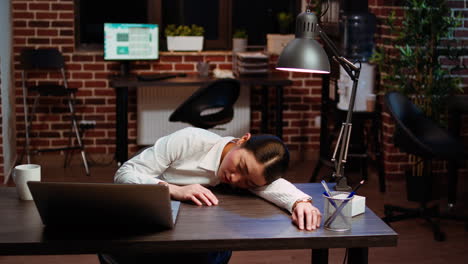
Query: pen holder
337	211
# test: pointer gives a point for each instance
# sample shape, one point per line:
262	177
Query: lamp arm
348	66
345	133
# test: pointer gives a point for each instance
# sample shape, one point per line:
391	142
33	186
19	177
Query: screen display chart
131	41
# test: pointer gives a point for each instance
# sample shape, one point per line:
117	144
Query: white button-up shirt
192	156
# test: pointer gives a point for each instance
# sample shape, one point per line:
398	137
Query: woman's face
240	168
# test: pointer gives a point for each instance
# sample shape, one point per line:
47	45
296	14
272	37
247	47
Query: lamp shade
304	53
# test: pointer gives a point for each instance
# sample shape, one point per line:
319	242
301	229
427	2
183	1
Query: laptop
104	205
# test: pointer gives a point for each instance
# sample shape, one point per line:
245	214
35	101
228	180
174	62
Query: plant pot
277	42
239	44
185	43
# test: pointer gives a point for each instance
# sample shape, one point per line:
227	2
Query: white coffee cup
23	174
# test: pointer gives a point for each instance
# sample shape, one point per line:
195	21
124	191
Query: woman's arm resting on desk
152	162
145	167
307	216
194	192
285	195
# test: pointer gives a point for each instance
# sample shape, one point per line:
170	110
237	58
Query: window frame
155	16
77	27
224	21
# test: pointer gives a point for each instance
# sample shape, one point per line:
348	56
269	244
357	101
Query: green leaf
184	30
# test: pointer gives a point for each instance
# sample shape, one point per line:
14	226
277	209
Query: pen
351	194
327	192
326	188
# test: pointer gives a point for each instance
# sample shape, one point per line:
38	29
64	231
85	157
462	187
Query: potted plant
412	66
276	42
239	40
184	38
284	22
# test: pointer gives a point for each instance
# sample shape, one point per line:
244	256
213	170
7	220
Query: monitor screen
131	41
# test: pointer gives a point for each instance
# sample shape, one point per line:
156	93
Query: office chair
48	61
417	135
209	106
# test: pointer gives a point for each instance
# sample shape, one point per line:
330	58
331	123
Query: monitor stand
125	68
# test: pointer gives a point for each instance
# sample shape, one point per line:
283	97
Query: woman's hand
306	215
194	192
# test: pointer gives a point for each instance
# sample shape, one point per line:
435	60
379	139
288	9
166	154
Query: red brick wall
395	161
50	23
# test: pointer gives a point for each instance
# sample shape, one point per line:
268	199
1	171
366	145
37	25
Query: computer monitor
127	42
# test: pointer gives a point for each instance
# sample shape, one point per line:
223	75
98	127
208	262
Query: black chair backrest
416	134
41	59
217	95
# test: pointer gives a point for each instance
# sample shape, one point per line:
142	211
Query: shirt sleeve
281	192
153	161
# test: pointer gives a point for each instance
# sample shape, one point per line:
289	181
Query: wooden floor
415	243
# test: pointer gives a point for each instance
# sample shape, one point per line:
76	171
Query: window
213	15
219	18
259	17
92	14
335	9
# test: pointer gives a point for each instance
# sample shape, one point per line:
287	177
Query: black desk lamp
305	54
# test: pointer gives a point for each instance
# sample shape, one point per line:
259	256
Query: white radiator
156	104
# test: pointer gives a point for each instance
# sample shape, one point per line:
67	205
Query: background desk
239	222
122	86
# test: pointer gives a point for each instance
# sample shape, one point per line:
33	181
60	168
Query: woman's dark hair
270	151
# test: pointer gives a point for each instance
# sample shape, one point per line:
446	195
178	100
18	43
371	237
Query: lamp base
342	185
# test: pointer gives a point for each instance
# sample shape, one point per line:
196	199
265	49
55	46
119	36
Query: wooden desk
239	222
122	85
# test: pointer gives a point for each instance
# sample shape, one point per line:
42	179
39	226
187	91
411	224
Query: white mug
23	174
